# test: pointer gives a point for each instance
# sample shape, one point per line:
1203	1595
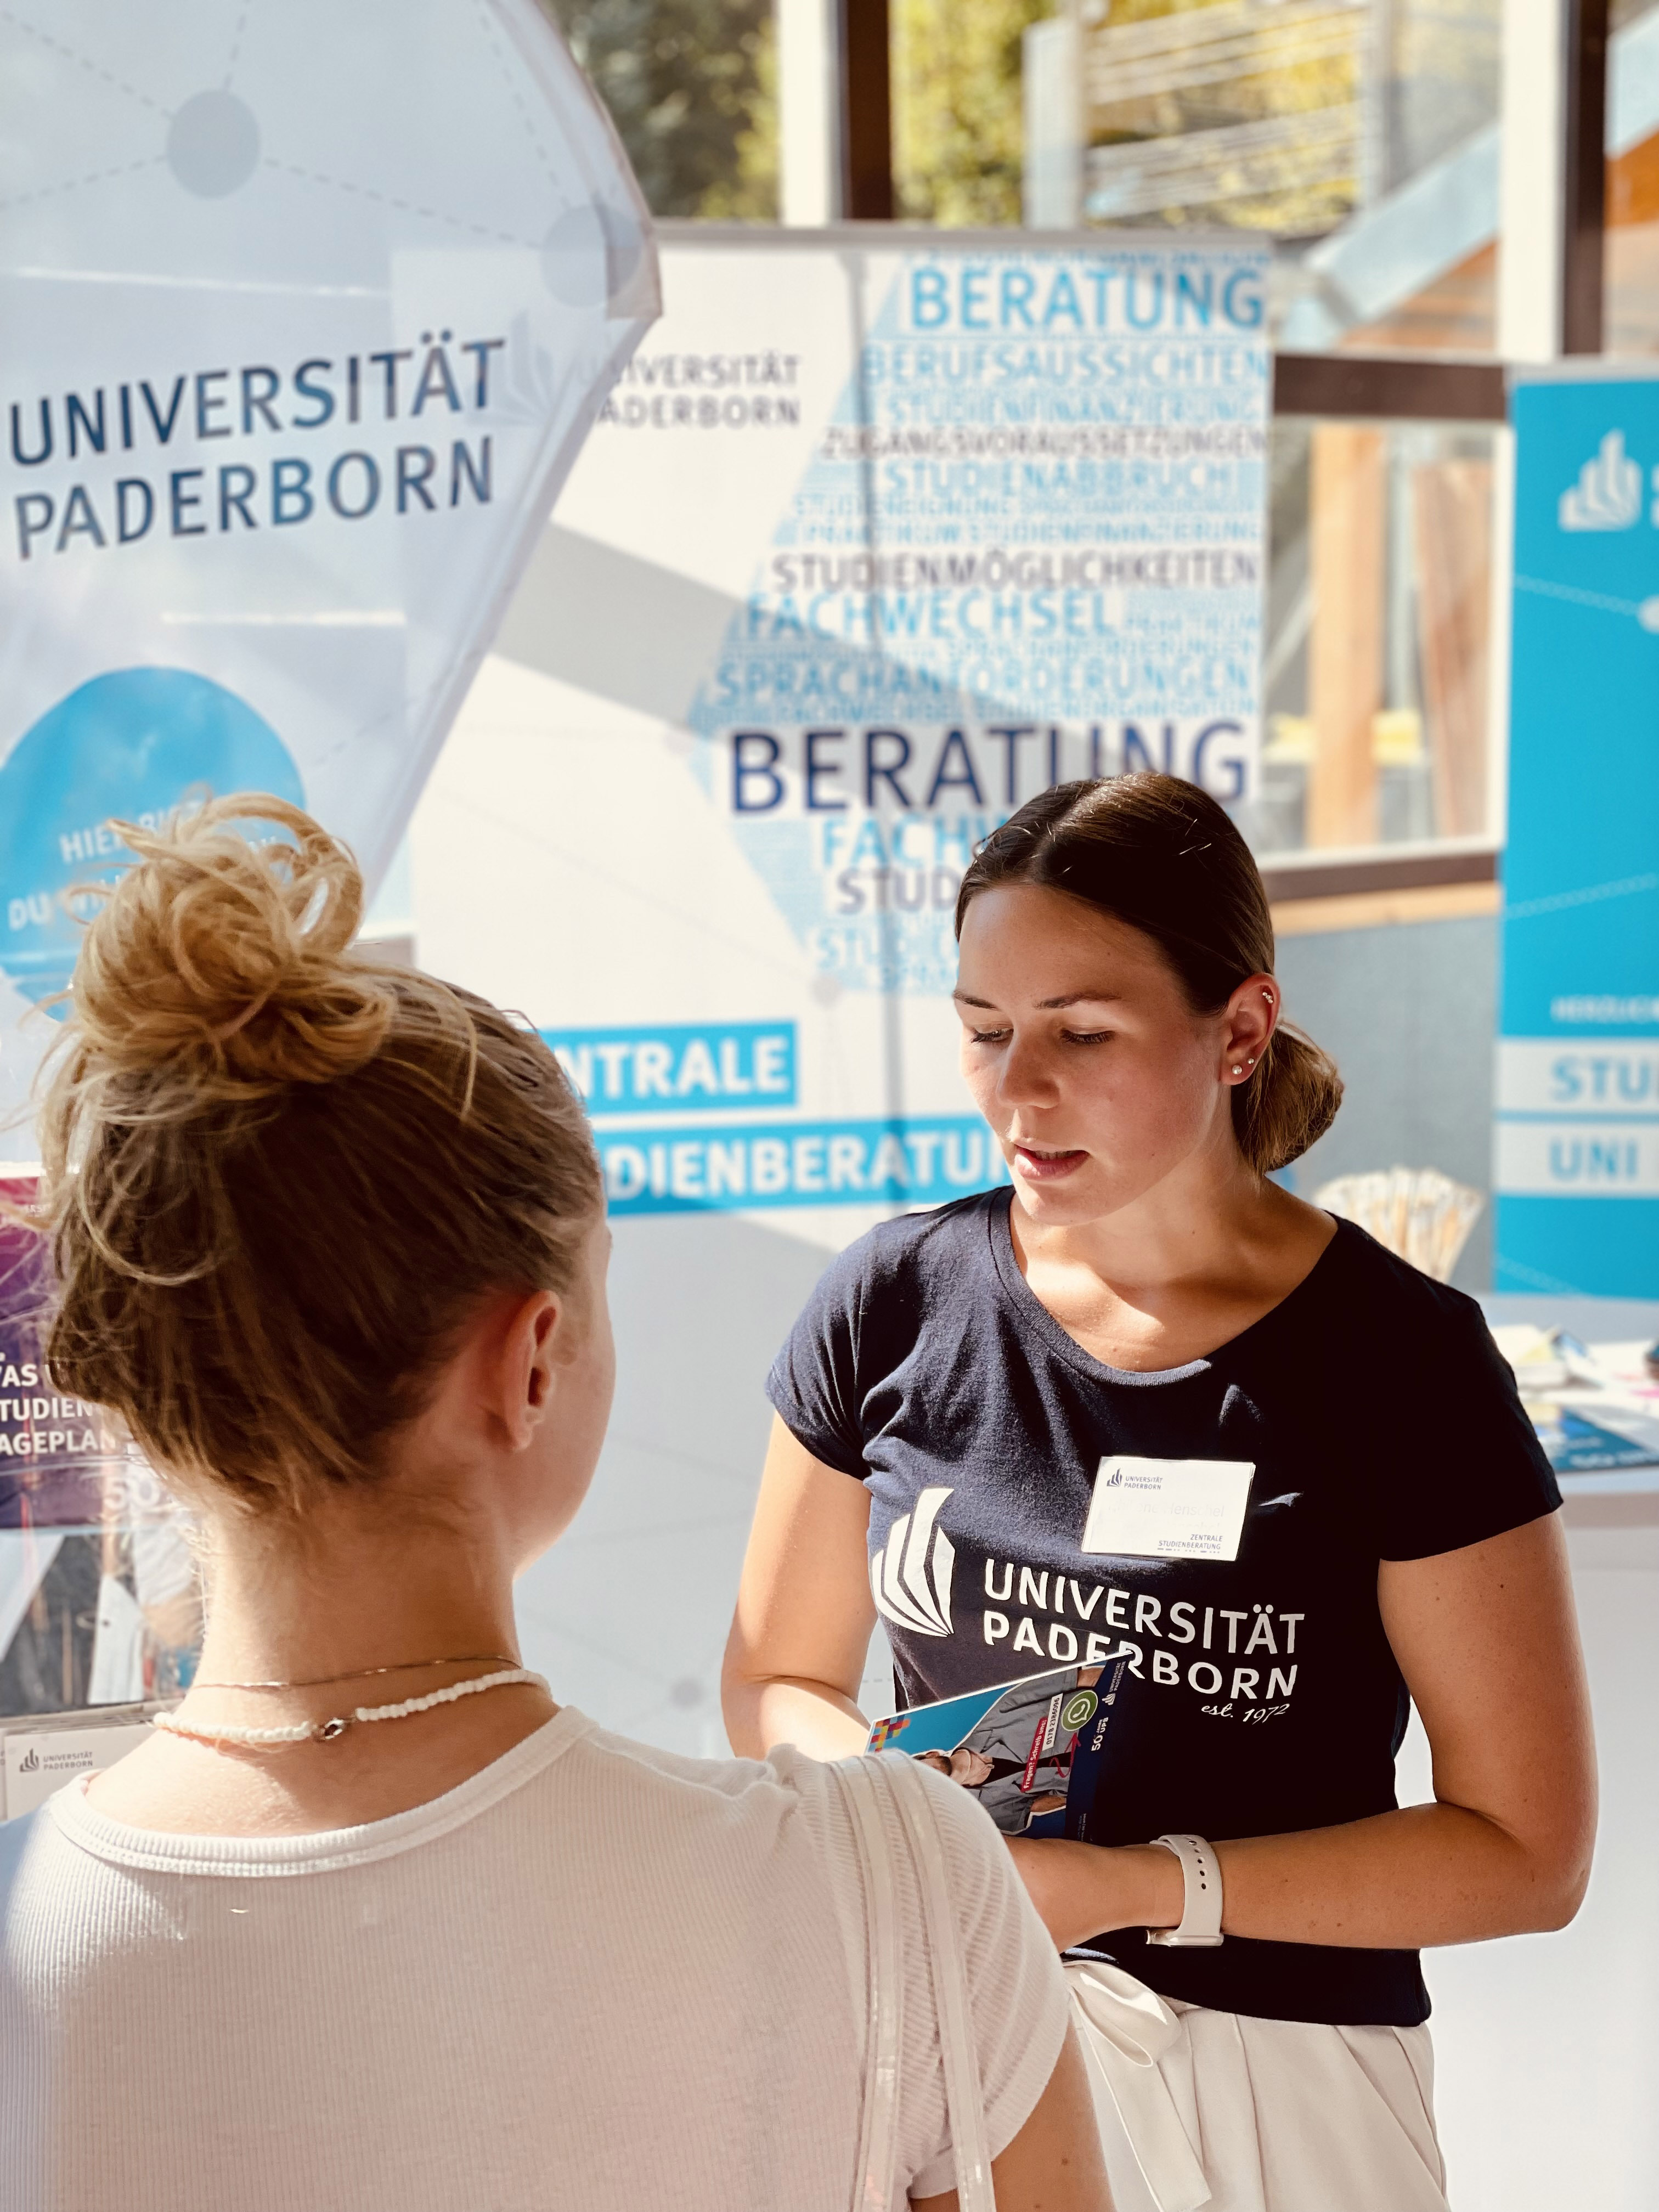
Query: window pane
958	119
691	87
1375	674
1361	133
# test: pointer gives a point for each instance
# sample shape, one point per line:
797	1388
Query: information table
1615	1332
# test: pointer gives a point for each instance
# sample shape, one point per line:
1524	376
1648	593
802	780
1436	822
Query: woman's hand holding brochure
1035	1752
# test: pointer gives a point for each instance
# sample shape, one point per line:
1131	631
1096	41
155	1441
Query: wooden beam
1347	536
1422	869
1451	520
1584	175
1318	917
866	114
1389	389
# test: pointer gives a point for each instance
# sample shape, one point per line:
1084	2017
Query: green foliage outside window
958	128
691	86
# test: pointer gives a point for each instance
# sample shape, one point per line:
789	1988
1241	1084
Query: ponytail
1288	1104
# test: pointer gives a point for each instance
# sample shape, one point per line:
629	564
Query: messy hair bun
222	969
277	1172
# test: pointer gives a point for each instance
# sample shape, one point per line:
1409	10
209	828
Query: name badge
1168	1508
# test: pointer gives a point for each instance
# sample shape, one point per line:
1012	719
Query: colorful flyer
1036	1753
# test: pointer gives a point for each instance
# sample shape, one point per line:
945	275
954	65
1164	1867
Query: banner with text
304	313
1576	1143
872	542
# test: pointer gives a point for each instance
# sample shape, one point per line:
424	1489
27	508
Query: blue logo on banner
677	1068
1577	1165
129	746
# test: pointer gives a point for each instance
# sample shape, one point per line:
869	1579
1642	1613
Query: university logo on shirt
910	1574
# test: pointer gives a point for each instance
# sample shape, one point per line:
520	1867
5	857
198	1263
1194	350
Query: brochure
1576	1445
1035	1753
1595	1406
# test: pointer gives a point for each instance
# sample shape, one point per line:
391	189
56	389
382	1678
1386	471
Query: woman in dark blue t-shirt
1147	1405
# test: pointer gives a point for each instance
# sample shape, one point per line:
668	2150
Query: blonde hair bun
277	1174
226	961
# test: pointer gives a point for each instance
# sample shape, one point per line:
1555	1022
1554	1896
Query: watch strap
1201	1917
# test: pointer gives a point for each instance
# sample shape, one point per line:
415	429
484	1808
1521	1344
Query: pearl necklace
330	1731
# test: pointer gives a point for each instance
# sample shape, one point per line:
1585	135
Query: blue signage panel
1577	1141
918	1160
679	1066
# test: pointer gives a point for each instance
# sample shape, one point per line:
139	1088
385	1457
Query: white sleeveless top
596	1973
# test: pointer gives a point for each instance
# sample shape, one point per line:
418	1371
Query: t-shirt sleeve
1464	1461
1016	1994
814	1383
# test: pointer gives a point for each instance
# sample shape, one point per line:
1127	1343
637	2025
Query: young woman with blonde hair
1148	1405
371	1924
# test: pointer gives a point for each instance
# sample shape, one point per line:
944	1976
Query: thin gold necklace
362	1673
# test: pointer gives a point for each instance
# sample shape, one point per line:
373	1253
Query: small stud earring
1239	1071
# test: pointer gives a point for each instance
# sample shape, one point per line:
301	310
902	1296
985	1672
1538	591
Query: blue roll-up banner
304	312
881	534
1576	1142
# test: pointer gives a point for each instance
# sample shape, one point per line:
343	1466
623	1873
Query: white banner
877	538
1577	1117
1578	1075
1577	1159
305	311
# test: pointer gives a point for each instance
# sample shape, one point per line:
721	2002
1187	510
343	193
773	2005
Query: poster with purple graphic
101	1596
58	1457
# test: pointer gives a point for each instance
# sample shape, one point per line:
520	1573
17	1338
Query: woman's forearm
817	1719
1429	1875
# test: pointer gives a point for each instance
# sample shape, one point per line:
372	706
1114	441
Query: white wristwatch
1201	1917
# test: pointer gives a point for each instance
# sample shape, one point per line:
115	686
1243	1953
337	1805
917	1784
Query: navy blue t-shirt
1382	1423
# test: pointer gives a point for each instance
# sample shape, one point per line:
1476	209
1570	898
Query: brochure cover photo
1035	1752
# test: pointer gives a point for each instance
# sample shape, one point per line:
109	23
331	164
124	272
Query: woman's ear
533	1345
1251	1019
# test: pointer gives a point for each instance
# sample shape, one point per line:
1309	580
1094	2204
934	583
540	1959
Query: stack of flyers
1593	1405
1034	1752
1417	1213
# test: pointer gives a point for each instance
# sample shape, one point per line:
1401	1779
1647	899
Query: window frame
1336	386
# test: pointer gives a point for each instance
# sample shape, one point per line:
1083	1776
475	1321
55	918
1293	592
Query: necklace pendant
330	1731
